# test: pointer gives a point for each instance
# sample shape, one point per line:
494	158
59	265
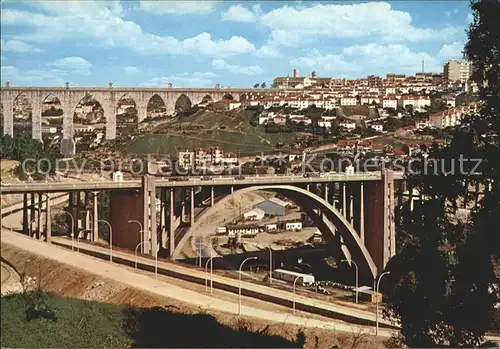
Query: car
205	178
239	177
5	184
175	179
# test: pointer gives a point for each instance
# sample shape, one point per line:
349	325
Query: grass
76	323
231	131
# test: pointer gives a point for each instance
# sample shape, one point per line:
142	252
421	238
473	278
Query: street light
141	231
110	238
239	283
357	277
294	281
210	260
270	265
72	226
136	247
378	286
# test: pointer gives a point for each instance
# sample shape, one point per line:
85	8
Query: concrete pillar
351	206
326	192
362	213
95	217
183	205
308	187
232	189
154	228
48	223
163	218
8	117
78	212
36	119
39	218
212	199
32	214
25	214
344	211
191	211
171	230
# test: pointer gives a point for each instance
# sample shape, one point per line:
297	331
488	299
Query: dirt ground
71	282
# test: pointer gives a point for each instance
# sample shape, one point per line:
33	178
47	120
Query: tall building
457	70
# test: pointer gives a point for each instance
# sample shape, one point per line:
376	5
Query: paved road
143	282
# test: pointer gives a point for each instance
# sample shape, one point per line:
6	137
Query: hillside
230	130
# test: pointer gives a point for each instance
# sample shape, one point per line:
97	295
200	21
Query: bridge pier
39	235
362	212
183	205
171	218
95	217
212	199
48	223
25	214
191	211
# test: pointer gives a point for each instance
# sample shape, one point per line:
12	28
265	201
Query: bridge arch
183	103
126	115
88	120
155	106
334	223
52	116
227	96
207	99
22	111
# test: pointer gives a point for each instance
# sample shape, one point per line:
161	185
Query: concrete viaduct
355	213
108	98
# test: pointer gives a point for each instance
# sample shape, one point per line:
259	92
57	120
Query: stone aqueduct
108	98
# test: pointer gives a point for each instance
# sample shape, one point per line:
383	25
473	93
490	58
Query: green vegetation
74	323
23	148
439	286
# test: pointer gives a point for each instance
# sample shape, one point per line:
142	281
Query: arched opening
336	229
52	119
156	107
207	100
126	116
227	96
23	116
183	104
89	123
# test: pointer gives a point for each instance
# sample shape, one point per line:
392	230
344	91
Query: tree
263	85
439	286
256	85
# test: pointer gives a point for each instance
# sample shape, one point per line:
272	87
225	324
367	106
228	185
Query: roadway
164	182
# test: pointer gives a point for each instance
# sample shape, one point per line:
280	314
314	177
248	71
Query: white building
327	124
348	125
293	225
377	127
186	159
390	102
255	214
348	101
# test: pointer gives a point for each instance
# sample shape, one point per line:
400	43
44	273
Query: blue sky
201	43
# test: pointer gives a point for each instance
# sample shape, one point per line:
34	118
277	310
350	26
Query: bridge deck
164	182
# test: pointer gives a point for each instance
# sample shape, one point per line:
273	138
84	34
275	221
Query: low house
296	225
271	227
273	207
243	230
377	127
255	214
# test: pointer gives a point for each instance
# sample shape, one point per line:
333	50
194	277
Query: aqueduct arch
333	220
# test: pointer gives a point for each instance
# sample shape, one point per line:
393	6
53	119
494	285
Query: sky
234	44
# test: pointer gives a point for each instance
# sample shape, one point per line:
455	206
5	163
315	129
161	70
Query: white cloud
290	25
236	68
71	65
131	70
361	60
18	47
31	78
196	79
453	50
178	7
267	51
239	13
106	29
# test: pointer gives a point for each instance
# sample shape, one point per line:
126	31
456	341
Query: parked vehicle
290	276
239	177
205	178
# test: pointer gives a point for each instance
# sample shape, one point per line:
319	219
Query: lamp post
357	277
210	260
378	286
110	238
72	226
141	231
136	247
270	265
294	281
239	283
